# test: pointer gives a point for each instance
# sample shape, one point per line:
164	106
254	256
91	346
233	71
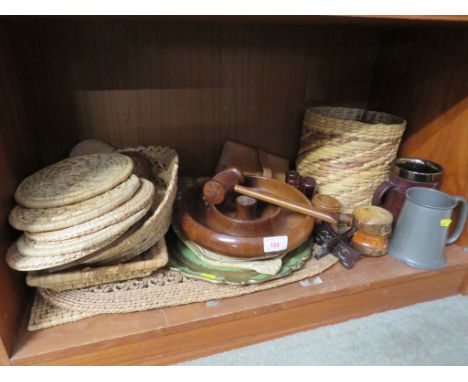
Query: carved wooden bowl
218	229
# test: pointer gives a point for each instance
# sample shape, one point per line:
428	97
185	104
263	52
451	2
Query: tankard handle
461	220
381	191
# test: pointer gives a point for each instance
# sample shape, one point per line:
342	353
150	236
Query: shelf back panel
187	85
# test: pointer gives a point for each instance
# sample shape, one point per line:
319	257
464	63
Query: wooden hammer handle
269	198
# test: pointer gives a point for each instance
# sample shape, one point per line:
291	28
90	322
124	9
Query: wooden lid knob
373	220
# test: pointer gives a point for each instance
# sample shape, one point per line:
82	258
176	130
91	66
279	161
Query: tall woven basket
348	151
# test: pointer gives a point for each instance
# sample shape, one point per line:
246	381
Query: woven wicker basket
348	151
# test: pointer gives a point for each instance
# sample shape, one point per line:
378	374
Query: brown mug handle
381	191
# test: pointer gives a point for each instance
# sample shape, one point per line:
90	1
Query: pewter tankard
420	235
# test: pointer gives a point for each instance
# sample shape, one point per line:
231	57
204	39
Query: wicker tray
142	266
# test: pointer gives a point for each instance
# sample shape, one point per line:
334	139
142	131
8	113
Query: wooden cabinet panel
16	161
421	76
187	85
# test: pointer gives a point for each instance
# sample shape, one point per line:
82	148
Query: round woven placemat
142	199
82	243
73	180
56	218
162	289
164	168
20	262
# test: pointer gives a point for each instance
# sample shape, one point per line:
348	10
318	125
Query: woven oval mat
73	180
141	200
56	218
162	289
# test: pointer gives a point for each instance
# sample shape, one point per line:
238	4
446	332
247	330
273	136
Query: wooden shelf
175	334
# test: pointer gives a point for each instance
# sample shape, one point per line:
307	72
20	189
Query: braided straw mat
164	168
348	151
56	218
162	289
73	180
142	266
141	200
39	260
32	248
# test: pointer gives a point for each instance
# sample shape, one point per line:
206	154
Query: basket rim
325	111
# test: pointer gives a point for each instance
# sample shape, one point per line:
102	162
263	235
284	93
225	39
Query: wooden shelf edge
314	20
210	333
211	339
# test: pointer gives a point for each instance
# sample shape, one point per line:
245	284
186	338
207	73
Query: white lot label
275	243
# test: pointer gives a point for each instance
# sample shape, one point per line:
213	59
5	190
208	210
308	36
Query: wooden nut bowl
237	229
237	218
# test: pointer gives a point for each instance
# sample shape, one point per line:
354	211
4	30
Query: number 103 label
275	243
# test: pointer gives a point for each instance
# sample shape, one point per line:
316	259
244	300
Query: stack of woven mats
93	239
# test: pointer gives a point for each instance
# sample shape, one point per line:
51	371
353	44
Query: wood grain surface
16	161
174	334
187	85
421	75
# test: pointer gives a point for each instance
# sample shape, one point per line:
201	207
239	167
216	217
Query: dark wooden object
308	185
330	241
293	178
252	161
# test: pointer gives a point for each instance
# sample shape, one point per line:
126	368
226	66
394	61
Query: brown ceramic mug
406	173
